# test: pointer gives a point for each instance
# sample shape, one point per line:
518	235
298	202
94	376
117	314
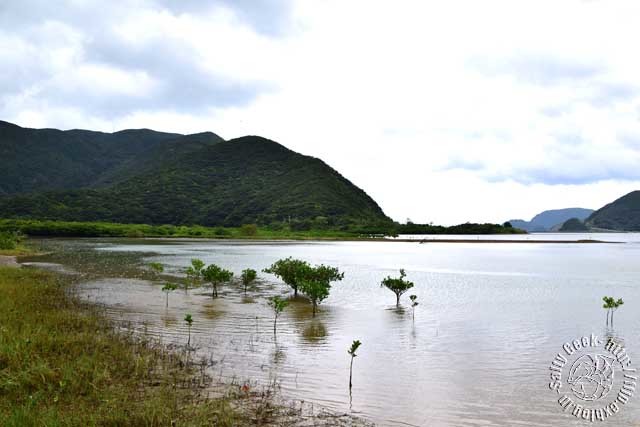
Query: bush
9	240
249	229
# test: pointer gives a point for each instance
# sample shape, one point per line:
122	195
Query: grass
106	229
63	364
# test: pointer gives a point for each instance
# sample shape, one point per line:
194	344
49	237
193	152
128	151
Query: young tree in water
194	273
315	282
352	352
157	268
397	285
169	287
216	276
611	305
289	270
414	303
189	321
278	305
248	276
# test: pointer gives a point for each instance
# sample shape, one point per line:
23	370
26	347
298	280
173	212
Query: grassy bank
62	364
105	229
247	231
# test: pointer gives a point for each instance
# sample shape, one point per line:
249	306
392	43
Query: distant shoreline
581	241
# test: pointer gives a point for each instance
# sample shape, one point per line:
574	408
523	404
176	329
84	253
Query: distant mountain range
144	176
548	220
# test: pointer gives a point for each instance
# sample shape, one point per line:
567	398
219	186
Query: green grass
105	229
62	364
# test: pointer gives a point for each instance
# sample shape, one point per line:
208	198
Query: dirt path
8	261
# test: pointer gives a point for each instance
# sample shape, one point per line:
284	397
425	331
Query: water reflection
315	331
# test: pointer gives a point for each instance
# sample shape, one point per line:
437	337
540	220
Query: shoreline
331	239
9	261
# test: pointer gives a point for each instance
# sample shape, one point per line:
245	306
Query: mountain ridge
547	220
164	178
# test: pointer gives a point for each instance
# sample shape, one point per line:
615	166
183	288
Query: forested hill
143	176
622	214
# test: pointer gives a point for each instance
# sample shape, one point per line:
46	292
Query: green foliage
315	283
189	320
354	347
611	305
278	305
167	288
414	304
156	267
249	230
290	270
466	228
216	276
194	272
9	240
102	229
248	276
352	352
397	285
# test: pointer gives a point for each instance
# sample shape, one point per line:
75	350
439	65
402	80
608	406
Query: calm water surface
491	318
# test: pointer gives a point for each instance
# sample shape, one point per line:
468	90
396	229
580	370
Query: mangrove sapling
316	290
414	303
248	276
352	352
278	305
194	273
397	285
189	319
169	287
216	276
315	282
611	305
289	270
156	268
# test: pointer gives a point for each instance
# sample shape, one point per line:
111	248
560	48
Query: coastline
8	261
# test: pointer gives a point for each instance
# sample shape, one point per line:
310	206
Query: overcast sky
443	111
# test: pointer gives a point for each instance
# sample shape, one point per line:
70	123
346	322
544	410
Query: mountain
143	176
621	215
573	225
546	220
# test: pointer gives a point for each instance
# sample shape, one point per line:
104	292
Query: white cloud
442	111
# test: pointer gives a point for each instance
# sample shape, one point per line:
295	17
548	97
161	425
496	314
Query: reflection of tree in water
279	355
314	331
168	320
612	334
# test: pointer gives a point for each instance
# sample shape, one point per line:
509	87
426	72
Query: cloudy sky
442	111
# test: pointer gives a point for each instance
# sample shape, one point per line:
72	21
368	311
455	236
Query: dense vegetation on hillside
466	228
573	225
622	215
155	178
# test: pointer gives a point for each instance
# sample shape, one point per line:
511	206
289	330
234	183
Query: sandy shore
8	261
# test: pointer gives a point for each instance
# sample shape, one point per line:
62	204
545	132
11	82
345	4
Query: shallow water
491	319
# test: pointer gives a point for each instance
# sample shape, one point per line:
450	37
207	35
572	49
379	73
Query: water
491	319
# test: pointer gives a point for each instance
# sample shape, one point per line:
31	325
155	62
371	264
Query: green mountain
620	215
573	225
143	176
547	220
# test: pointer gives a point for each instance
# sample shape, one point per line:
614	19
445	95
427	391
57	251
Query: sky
443	112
